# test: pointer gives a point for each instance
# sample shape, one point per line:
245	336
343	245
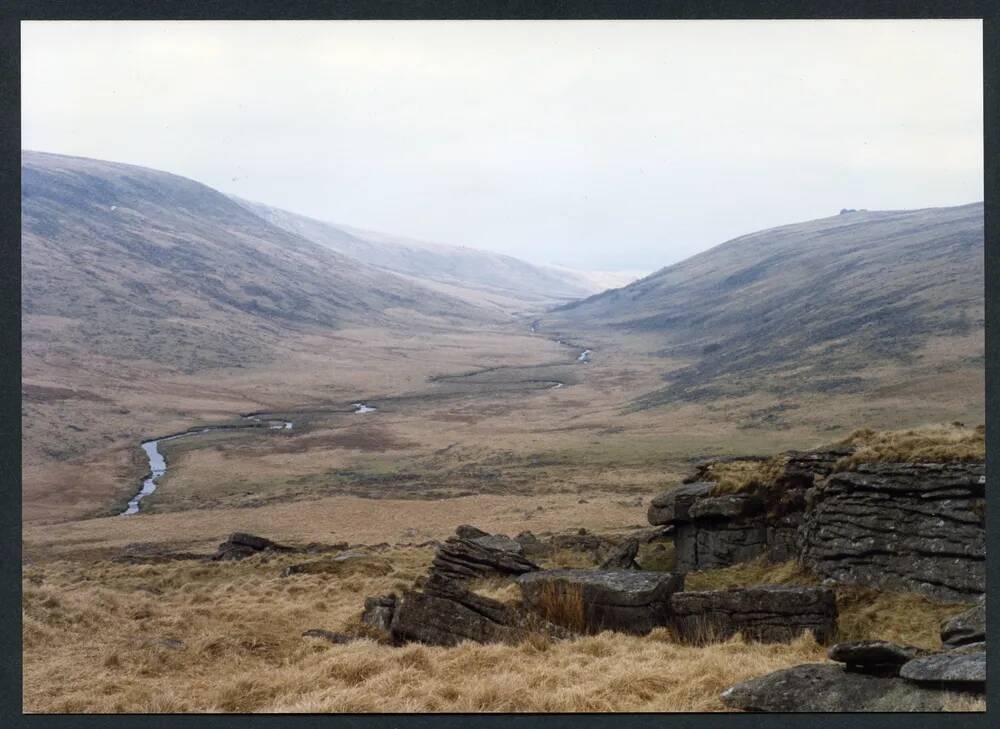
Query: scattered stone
329	635
629	601
622	557
532	546
446	613
877	657
824	687
952	669
967	627
770	614
909	526
379	610
465	559
241	545
466	531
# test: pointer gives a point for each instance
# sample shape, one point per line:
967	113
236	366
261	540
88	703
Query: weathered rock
652	534
671	507
241	545
824	687
466	559
379	610
532	546
783	540
328	635
769	614
622	557
445	613
501	542
725	506
629	601
465	531
713	543
877	657
172	644
903	526
585	542
967	627
955	669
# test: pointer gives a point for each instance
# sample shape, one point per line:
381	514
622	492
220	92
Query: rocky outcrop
590	601
822	687
768	614
965	628
444	612
241	545
958	670
468	559
379	610
622	557
532	546
877	657
673	506
903	526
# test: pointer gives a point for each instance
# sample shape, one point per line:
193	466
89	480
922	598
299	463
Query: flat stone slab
966	670
821	687
631	601
673	506
725	506
878	657
770	614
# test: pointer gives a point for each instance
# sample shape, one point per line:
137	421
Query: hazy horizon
601	145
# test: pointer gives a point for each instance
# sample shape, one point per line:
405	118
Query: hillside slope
838	304
134	263
480	276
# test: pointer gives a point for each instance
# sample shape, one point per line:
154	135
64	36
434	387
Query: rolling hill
131	263
482	277
842	304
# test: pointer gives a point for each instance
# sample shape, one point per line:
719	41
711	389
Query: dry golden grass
928	444
754	572
737	476
902	617
94	638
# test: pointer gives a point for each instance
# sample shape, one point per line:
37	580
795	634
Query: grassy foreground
226	637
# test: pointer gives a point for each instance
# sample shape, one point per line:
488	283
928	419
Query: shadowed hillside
132	263
839	304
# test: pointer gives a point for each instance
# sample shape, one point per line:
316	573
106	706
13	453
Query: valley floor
468	429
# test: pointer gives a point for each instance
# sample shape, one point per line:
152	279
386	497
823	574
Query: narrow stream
158	464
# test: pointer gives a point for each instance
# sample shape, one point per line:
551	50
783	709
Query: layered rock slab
916	527
770	614
630	601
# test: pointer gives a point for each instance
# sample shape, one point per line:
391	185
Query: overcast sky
593	144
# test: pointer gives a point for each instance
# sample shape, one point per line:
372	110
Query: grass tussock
733	477
953	442
562	604
902	617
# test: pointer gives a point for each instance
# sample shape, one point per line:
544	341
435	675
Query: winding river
158	464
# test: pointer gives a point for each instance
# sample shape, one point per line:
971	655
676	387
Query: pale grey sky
593	144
